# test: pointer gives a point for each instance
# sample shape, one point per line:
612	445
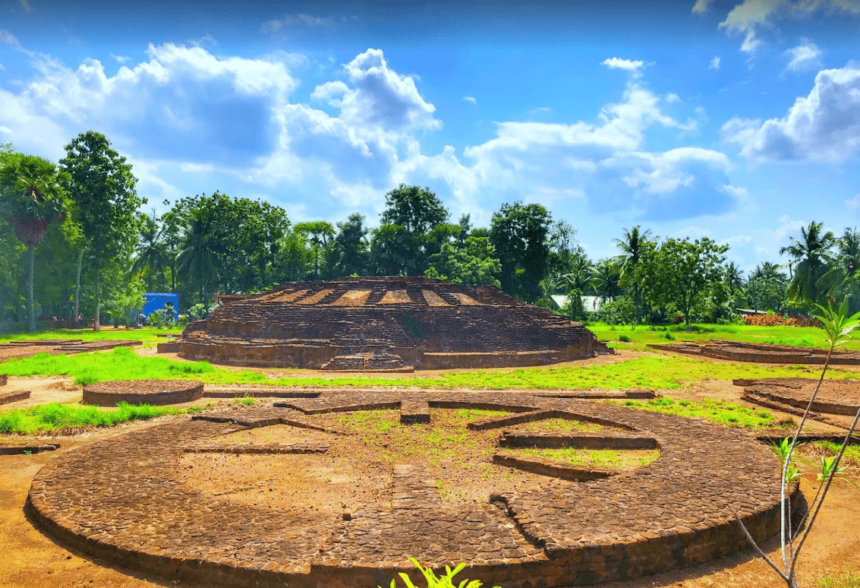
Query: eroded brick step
552	469
575	440
9	397
414	411
258	393
539	415
251	449
413	488
27	449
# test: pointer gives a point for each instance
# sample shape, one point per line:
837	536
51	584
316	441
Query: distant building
153	301
590	303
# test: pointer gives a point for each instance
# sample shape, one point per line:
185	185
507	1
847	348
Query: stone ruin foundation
387	324
123	500
759	352
153	392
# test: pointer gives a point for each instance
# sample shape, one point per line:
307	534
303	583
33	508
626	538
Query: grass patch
852	452
643	335
146	334
247	401
55	417
720	412
850	579
664	371
603	459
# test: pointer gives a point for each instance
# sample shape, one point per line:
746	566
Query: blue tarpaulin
155	301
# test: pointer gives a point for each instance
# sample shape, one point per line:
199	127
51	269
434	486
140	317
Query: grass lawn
146	334
642	335
54	417
663	371
720	412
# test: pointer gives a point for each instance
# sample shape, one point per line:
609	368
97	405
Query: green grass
849	579
146	334
664	371
852	452
639	336
720	412
53	417
605	459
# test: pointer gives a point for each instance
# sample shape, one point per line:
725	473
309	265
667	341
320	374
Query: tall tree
519	233
102	187
681	273
765	287
198	259
606	278
31	196
320	235
810	255
632	245
418	213
152	256
351	246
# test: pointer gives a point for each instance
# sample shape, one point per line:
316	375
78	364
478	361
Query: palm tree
632	246
847	263
811	257
606	279
198	258
32	196
765	287
151	250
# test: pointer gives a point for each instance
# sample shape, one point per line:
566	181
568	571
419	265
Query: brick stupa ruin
385	324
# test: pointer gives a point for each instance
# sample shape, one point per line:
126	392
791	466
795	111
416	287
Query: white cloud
121	59
207	38
273	26
8	38
738	240
715	63
693	232
625	64
806	55
751	15
853	203
701	6
470	99
25	5
672	97
823	126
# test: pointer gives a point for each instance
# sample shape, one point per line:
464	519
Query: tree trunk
78	284
97	321
31	307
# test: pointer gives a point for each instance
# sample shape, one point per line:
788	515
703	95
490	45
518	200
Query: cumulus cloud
186	117
470	99
750	15
625	64
823	126
715	63
806	55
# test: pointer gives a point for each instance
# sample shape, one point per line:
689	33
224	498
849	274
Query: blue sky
738	120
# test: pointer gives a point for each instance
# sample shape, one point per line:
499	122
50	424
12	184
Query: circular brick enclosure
154	392
835	396
122	500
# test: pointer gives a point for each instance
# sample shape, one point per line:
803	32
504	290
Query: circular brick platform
121	500
835	396
154	392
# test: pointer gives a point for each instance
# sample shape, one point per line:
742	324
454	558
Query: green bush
446	581
617	312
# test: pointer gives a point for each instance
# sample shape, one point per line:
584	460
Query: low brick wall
3	379
10	397
154	392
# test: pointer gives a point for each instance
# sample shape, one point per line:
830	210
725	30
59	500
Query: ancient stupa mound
385	324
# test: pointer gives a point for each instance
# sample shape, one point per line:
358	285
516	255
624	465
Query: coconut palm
606	278
734	277
198	259
845	265
632	246
31	196
810	256
151	251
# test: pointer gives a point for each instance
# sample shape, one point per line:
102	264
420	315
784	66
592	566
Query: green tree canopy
519	233
810	257
473	264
